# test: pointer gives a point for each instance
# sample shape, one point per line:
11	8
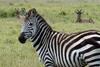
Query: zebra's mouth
22	39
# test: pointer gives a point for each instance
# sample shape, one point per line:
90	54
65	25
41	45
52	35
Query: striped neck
41	37
43	32
40	41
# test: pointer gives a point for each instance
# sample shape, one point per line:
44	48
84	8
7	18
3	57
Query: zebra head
29	28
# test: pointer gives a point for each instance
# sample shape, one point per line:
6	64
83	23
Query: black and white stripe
64	50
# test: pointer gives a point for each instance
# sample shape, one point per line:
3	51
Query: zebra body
64	51
59	49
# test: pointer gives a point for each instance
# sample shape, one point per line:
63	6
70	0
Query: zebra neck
40	42
41	38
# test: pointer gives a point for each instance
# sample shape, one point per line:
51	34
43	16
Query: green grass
14	54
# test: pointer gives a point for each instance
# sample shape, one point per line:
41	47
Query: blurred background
59	14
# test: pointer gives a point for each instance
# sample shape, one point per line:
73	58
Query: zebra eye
30	24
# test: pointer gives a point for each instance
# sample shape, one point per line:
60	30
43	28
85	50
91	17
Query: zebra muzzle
21	38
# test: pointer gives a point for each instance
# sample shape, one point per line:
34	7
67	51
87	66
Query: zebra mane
33	12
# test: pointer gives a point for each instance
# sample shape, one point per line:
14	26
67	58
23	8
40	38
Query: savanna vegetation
58	13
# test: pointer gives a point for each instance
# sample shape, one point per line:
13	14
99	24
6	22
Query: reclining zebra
82	20
58	49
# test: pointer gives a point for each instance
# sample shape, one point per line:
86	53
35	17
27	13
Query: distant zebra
82	20
58	49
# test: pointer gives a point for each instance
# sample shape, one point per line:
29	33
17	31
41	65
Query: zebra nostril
21	38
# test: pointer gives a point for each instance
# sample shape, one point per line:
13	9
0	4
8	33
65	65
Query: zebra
82	20
56	49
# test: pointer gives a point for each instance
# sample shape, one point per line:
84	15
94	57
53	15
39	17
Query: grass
14	54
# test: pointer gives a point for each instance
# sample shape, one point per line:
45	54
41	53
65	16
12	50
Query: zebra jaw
21	38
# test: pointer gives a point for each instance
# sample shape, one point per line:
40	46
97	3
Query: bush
7	13
3	13
63	13
11	13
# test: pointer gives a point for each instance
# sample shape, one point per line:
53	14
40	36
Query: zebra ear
32	12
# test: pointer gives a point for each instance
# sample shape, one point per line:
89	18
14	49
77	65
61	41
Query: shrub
7	13
3	13
11	13
63	13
